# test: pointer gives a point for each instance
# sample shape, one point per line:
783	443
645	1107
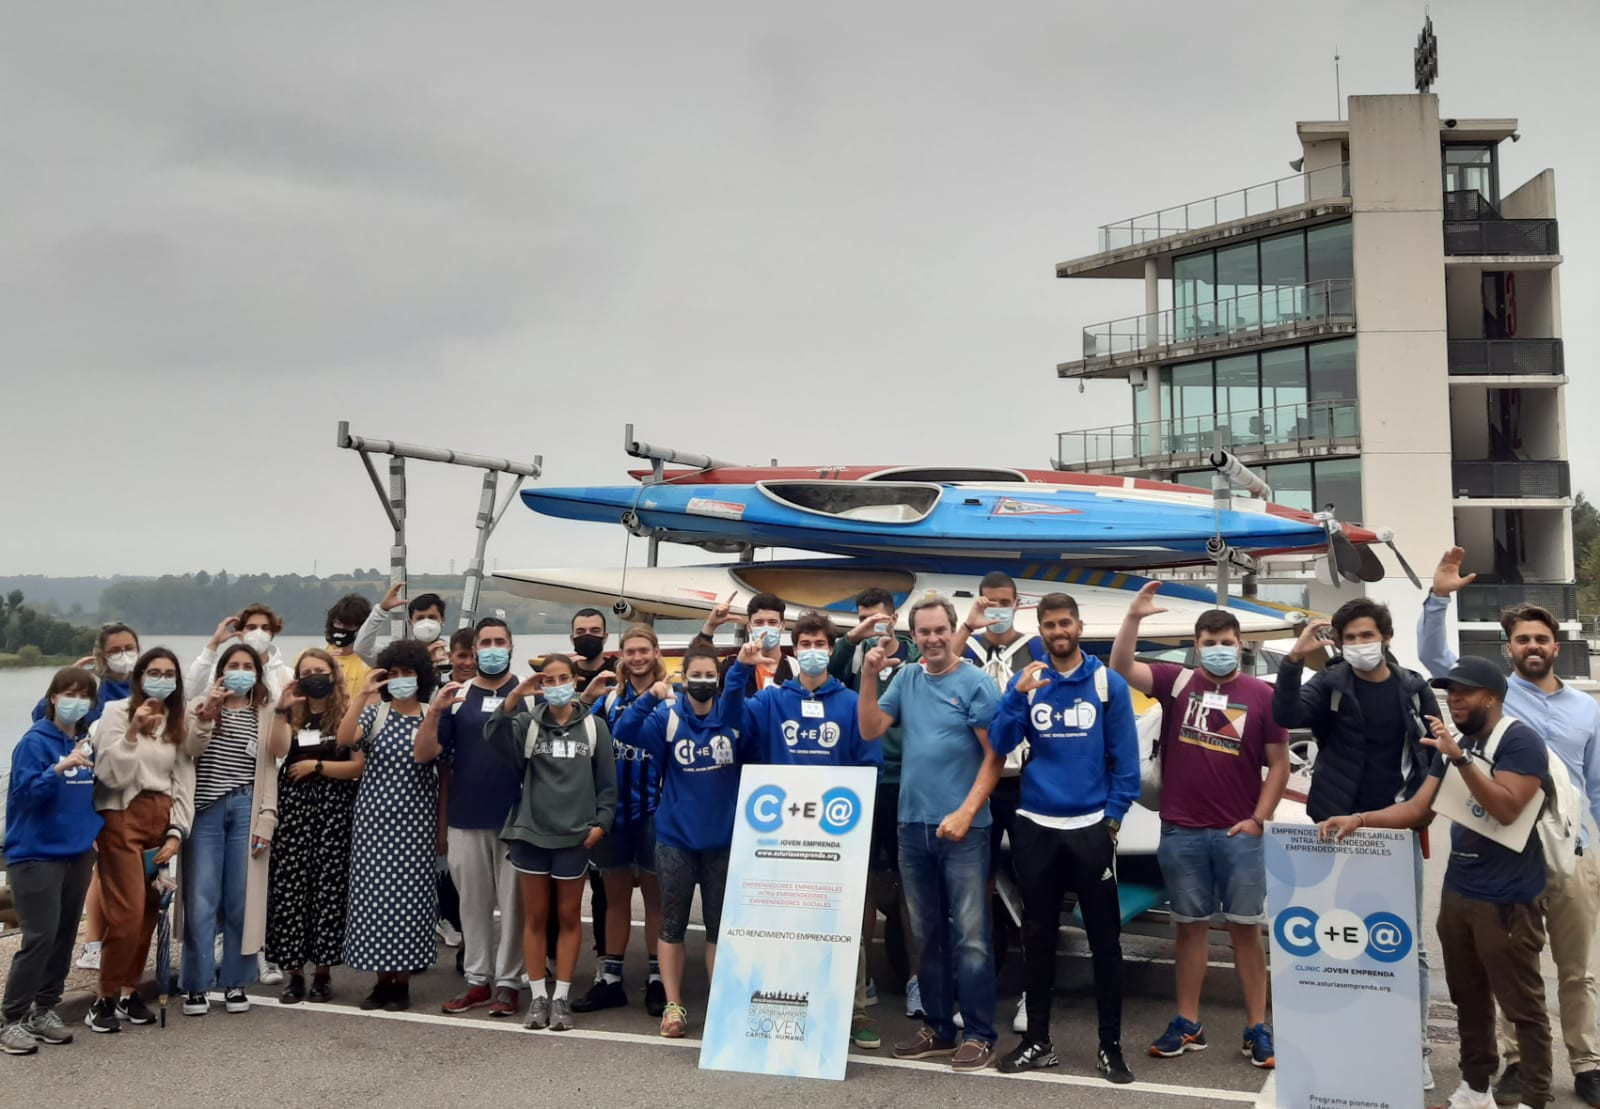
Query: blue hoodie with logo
700	770
1084	753
49	816
797	727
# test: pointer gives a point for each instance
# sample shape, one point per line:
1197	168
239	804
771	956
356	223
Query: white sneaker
958	1021
914	999
1427	1073
1466	1097
90	959
1019	1023
271	975
447	933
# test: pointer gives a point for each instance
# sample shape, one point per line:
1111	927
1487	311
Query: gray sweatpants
486	880
48	897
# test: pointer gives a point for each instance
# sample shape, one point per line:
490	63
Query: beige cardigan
263	822
123	770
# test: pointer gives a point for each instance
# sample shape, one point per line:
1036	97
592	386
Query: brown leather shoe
972	1055
924	1045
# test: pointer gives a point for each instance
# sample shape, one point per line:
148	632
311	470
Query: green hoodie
569	775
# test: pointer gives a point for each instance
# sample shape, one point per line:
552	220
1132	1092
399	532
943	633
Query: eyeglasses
161	673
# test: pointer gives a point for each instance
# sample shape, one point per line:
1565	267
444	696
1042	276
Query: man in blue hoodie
810	720
1081	777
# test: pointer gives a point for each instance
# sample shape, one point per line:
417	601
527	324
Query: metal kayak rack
394	503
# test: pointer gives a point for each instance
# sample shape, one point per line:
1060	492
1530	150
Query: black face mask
315	686
339	637
589	647
702	689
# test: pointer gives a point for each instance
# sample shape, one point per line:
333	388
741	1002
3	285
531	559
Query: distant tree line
192	604
30	634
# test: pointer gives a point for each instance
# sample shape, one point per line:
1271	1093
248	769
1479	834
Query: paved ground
338	1055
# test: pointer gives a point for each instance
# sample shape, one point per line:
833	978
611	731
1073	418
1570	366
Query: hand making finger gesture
1034	676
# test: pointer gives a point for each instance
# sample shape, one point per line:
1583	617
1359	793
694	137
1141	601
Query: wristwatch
1464	760
319	768
1115	825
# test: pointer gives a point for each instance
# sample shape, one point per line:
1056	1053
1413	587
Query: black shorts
562	863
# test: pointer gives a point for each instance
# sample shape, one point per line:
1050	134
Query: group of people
311	803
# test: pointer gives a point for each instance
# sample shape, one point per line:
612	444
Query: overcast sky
821	232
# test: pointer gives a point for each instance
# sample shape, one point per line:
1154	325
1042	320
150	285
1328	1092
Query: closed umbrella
164	942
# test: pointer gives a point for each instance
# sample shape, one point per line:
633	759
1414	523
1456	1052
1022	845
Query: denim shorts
1205	869
564	863
628	846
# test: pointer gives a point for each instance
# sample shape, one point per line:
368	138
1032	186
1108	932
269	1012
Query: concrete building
1380	332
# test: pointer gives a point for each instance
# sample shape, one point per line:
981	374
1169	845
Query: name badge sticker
811	710
1213	700
492	703
251	748
308	737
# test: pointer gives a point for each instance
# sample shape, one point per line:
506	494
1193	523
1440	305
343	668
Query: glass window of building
1194	295
1470	167
1333	370
1283	277
1239	399
1329	270
1338	482
1194	410
1291	484
1238	281
1283	387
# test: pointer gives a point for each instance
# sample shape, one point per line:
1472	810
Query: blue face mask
402	689
767	637
1001	619
239	681
159	688
1219	660
558	696
493	660
70	710
813	661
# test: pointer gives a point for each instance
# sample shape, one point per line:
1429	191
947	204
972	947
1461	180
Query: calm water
20	690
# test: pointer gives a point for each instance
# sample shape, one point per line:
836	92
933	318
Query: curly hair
413	656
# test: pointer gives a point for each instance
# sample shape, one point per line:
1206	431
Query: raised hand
1447	576
1311	640
661	691
225	631
1145	603
750	653
448	696
1034	676
73	760
875	625
148	717
880	654
394	598
599	685
977	618
1440	739
291	695
722	614
376	680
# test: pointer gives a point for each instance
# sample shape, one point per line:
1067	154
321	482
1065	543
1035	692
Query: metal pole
484	523
397	552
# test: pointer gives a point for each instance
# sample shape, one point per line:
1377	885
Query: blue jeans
215	864
946	886
1205	869
1422	949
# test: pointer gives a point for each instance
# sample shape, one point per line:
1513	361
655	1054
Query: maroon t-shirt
1211	753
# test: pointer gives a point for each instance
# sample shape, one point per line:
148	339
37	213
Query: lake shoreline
41	662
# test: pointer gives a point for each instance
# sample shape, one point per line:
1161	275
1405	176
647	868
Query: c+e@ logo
837	812
1342	935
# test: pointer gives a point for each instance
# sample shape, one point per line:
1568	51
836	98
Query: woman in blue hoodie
51	824
699	742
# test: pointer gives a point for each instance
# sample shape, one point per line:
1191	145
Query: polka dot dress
393	898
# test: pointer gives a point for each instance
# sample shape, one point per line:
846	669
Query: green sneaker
864	1033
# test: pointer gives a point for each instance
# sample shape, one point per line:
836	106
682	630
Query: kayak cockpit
870	502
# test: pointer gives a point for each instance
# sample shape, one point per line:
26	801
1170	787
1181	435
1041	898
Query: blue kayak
1122	528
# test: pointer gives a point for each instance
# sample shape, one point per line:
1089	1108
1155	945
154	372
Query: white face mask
426	631
1365	657
121	662
258	640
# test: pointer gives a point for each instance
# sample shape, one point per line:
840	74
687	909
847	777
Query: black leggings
1048	863
678	871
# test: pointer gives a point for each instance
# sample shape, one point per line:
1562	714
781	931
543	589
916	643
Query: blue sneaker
1181	1035
1258	1046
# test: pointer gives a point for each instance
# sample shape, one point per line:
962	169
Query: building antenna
1338	91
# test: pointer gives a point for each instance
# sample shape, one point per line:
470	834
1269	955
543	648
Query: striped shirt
638	776
229	760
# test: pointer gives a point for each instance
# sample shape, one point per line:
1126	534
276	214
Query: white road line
514	1025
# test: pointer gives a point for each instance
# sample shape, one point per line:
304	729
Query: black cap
1474	673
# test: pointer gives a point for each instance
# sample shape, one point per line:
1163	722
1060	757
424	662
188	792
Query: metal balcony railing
1282	308
1483	603
1511	357
1571	664
1157	442
1501	236
1327	183
1511	479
